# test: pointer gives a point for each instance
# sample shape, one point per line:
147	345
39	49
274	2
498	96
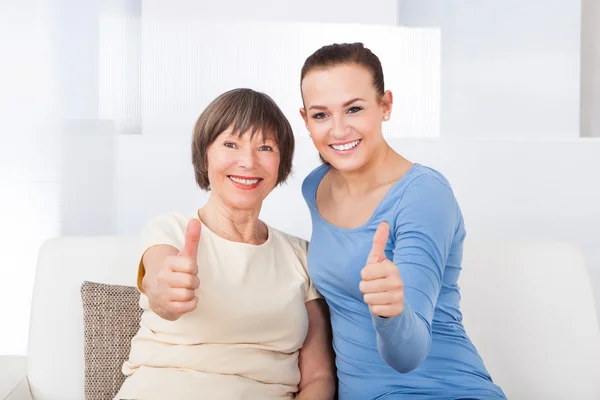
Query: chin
243	203
242	200
346	164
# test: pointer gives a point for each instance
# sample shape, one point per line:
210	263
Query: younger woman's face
343	113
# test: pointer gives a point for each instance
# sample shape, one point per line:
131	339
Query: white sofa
534	324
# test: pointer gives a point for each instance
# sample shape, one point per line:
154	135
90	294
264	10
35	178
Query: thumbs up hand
381	285
177	279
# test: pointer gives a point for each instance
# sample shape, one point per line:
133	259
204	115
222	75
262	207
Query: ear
386	101
304	116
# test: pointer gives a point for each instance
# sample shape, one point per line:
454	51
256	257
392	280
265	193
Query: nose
247	157
340	129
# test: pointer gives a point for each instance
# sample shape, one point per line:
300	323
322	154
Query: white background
509	84
510	68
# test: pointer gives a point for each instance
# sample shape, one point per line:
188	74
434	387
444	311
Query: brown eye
231	145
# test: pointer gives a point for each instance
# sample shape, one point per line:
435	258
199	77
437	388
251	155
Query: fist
381	285
177	278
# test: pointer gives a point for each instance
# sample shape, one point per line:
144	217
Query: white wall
74	35
509	68
73	82
87	175
29	159
590	68
383	12
187	63
118	49
66	59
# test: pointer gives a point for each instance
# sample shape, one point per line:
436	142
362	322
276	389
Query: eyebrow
346	104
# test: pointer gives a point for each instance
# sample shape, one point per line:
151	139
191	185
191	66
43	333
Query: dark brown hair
337	54
245	110
346	53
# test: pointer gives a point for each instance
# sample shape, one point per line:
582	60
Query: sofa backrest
533	323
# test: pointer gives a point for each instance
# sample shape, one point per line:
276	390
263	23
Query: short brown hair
245	110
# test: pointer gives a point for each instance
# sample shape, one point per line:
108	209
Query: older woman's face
242	171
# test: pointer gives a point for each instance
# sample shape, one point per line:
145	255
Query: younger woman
386	244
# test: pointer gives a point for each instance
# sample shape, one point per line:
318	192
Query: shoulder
298	245
294	248
311	182
425	199
167	228
425	185
171	220
296	252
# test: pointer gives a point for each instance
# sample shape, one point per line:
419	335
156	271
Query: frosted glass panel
87	168
119	65
330	11
186	63
510	69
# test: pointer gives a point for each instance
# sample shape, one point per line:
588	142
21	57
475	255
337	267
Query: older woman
229	309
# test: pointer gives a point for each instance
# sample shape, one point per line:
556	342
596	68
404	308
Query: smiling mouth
249	182
346	146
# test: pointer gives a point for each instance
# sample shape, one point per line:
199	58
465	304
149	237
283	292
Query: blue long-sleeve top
424	350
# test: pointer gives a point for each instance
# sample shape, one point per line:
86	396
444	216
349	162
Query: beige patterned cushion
111	316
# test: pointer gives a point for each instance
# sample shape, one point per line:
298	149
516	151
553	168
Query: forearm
319	389
316	359
403	341
150	265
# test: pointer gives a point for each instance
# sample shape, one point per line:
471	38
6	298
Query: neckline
376	211
213	234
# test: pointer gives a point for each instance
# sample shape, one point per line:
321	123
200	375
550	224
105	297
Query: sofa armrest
13	378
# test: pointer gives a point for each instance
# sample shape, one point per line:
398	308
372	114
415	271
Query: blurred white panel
510	68
29	154
87	198
28	70
75	28
29	151
154	176
119	68
331	11
30	214
186	63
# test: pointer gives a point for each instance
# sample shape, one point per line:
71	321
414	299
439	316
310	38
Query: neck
385	167
231	224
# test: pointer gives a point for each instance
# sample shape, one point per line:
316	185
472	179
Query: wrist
392	322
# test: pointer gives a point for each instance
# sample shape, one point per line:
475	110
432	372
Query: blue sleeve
426	220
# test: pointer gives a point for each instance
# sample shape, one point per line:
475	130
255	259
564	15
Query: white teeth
247	182
346	146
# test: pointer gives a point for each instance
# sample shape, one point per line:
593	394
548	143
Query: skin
341	107
232	212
